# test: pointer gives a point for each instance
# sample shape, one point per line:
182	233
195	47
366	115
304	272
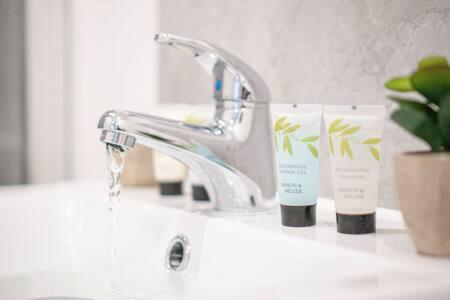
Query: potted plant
423	178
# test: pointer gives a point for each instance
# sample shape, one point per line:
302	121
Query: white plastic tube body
166	168
354	136
297	139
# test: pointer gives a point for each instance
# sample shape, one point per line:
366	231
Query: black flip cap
298	216
199	193
356	224
171	188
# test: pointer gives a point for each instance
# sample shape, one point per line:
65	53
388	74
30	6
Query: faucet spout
233	155
235	176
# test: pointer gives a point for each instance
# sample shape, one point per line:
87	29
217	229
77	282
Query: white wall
113	66
85	58
45	93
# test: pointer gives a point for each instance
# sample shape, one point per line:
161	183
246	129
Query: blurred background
64	63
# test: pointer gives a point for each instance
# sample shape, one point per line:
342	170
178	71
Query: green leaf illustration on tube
291	129
313	151
343	127
375	153
351	130
330	143
280	125
310	139
372	141
276	141
345	148
287	146
334	125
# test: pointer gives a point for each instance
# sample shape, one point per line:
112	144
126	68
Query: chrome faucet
233	154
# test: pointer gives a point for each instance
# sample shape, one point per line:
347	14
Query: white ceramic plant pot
423	193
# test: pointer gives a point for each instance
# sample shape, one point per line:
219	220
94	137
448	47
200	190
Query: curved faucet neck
245	85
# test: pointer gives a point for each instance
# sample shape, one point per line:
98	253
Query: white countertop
391	239
58	232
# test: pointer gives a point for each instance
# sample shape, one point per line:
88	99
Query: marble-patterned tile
334	52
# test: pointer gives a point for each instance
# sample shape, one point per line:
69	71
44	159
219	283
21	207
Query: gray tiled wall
333	52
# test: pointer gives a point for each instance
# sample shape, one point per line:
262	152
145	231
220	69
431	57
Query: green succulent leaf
310	139
444	121
399	84
414	104
432	83
334	125
280	125
433	61
313	151
287	146
351	130
375	153
419	124
372	141
291	129
330	143
346	149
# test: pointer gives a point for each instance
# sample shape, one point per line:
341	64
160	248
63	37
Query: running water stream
116	163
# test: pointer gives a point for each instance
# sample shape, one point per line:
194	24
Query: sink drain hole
177	255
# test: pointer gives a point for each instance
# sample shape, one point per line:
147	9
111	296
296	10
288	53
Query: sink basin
55	244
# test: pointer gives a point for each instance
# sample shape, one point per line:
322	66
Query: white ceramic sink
55	237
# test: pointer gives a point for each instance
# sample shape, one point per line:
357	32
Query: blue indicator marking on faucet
218	85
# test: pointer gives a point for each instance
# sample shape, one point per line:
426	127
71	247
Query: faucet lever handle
246	83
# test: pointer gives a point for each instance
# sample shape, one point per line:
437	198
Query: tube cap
356	224
171	188
298	216
199	193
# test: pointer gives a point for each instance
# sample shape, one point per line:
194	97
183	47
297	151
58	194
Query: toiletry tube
198	115
354	137
199	192
138	169
169	172
297	139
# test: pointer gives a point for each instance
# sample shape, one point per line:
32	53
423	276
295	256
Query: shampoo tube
297	139
354	136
